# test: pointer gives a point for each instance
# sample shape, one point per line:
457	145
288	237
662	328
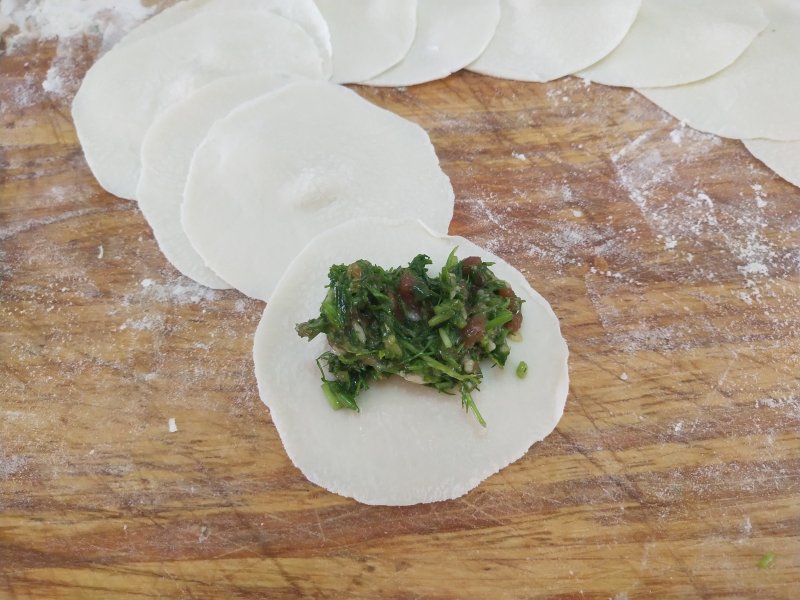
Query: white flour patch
789	405
179	291
484	209
61	19
488	211
746	527
687	221
153	322
26	93
561	243
12	465
17	228
67	23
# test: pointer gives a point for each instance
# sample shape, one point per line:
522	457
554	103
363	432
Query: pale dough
167	152
450	35
303	12
279	170
542	40
680	41
368	36
781	157
126	89
409	444
758	95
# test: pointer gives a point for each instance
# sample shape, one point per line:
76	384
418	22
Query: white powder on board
67	23
181	290
11	465
59	19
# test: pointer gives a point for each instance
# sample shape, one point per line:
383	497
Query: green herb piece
766	561
401	321
522	369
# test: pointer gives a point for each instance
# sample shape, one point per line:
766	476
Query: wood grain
670	256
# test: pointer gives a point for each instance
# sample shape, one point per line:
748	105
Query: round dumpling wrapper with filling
281	169
167	152
303	12
679	41
409	444
126	89
542	40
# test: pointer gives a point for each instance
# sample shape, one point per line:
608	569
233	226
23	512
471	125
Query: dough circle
782	157
409	444
125	90
450	35
758	95
679	41
279	170
368	36
303	12
542	40
167	152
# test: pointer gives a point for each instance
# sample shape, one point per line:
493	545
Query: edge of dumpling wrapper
409	444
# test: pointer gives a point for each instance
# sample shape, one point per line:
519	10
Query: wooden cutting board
672	258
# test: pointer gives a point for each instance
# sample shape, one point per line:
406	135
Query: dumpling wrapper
126	89
781	157
302	12
758	95
368	36
280	169
167	152
450	35
409	444
679	41
542	40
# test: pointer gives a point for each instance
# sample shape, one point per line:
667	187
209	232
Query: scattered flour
152	322
61	19
67	23
789	405
747	527
687	219
21	227
181	290
11	465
